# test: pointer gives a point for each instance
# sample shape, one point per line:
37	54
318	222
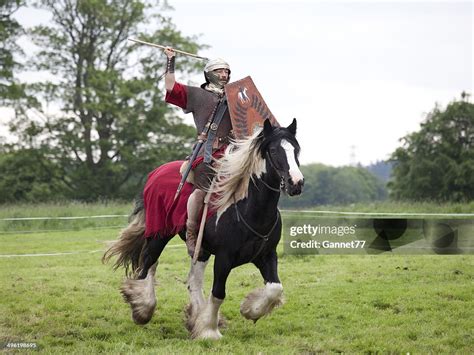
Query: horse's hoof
261	302
209	334
143	316
140	295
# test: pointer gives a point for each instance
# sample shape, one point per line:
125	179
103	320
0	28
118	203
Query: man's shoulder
196	88
200	92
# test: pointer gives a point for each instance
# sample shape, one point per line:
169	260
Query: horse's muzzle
295	189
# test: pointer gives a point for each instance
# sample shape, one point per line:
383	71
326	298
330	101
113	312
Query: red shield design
247	108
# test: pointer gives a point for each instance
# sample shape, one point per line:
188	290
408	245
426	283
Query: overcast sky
354	73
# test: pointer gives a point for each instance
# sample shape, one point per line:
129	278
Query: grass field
70	303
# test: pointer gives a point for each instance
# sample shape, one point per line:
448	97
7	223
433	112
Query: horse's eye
273	150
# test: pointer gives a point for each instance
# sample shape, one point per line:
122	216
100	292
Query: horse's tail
130	243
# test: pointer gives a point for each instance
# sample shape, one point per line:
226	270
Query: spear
164	47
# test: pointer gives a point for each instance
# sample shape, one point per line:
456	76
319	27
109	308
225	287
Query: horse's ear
292	127
267	128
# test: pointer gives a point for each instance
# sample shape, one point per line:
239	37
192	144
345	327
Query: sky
357	75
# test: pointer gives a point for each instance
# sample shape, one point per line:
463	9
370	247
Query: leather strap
214	125
170	65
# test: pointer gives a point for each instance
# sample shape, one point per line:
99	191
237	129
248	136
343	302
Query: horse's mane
241	162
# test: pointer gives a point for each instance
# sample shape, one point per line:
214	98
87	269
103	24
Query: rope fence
397	214
48	224
60	230
316	212
306	213
61	218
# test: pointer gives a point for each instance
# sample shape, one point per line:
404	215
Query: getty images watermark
326	230
342	235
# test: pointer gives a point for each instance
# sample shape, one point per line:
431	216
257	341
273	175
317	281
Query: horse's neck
262	201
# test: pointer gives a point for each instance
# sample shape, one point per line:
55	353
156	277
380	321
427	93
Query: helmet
212	65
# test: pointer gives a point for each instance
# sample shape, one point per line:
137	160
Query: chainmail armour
202	103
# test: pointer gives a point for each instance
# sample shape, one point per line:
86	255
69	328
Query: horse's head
281	149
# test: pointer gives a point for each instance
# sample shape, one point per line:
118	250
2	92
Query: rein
264	237
270	187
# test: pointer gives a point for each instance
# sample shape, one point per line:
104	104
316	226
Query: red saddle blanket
163	216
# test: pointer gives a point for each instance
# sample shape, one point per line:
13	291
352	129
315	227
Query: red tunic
178	96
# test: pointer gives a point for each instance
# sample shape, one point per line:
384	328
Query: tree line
327	185
111	125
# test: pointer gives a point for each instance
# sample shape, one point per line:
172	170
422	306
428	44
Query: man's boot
191	236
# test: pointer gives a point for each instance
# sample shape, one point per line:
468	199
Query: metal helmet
212	65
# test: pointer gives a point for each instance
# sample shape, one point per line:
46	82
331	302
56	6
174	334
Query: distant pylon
353	156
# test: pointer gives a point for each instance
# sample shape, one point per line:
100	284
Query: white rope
51	218
38	231
382	213
73	252
284	211
49	254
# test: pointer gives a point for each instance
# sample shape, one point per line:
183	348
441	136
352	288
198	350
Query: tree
28	176
382	169
437	162
10	30
112	126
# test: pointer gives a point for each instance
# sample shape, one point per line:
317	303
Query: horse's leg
140	293
206	324
196	296
262	301
152	251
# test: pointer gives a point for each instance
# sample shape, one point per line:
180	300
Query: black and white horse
246	228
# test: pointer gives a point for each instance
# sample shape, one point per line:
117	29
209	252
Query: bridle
278	171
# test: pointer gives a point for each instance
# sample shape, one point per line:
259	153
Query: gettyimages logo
309	229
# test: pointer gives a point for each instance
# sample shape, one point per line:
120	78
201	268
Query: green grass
71	209
70	303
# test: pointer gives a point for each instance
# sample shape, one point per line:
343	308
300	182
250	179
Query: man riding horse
245	226
211	117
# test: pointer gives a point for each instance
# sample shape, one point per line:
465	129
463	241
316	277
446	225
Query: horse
245	228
